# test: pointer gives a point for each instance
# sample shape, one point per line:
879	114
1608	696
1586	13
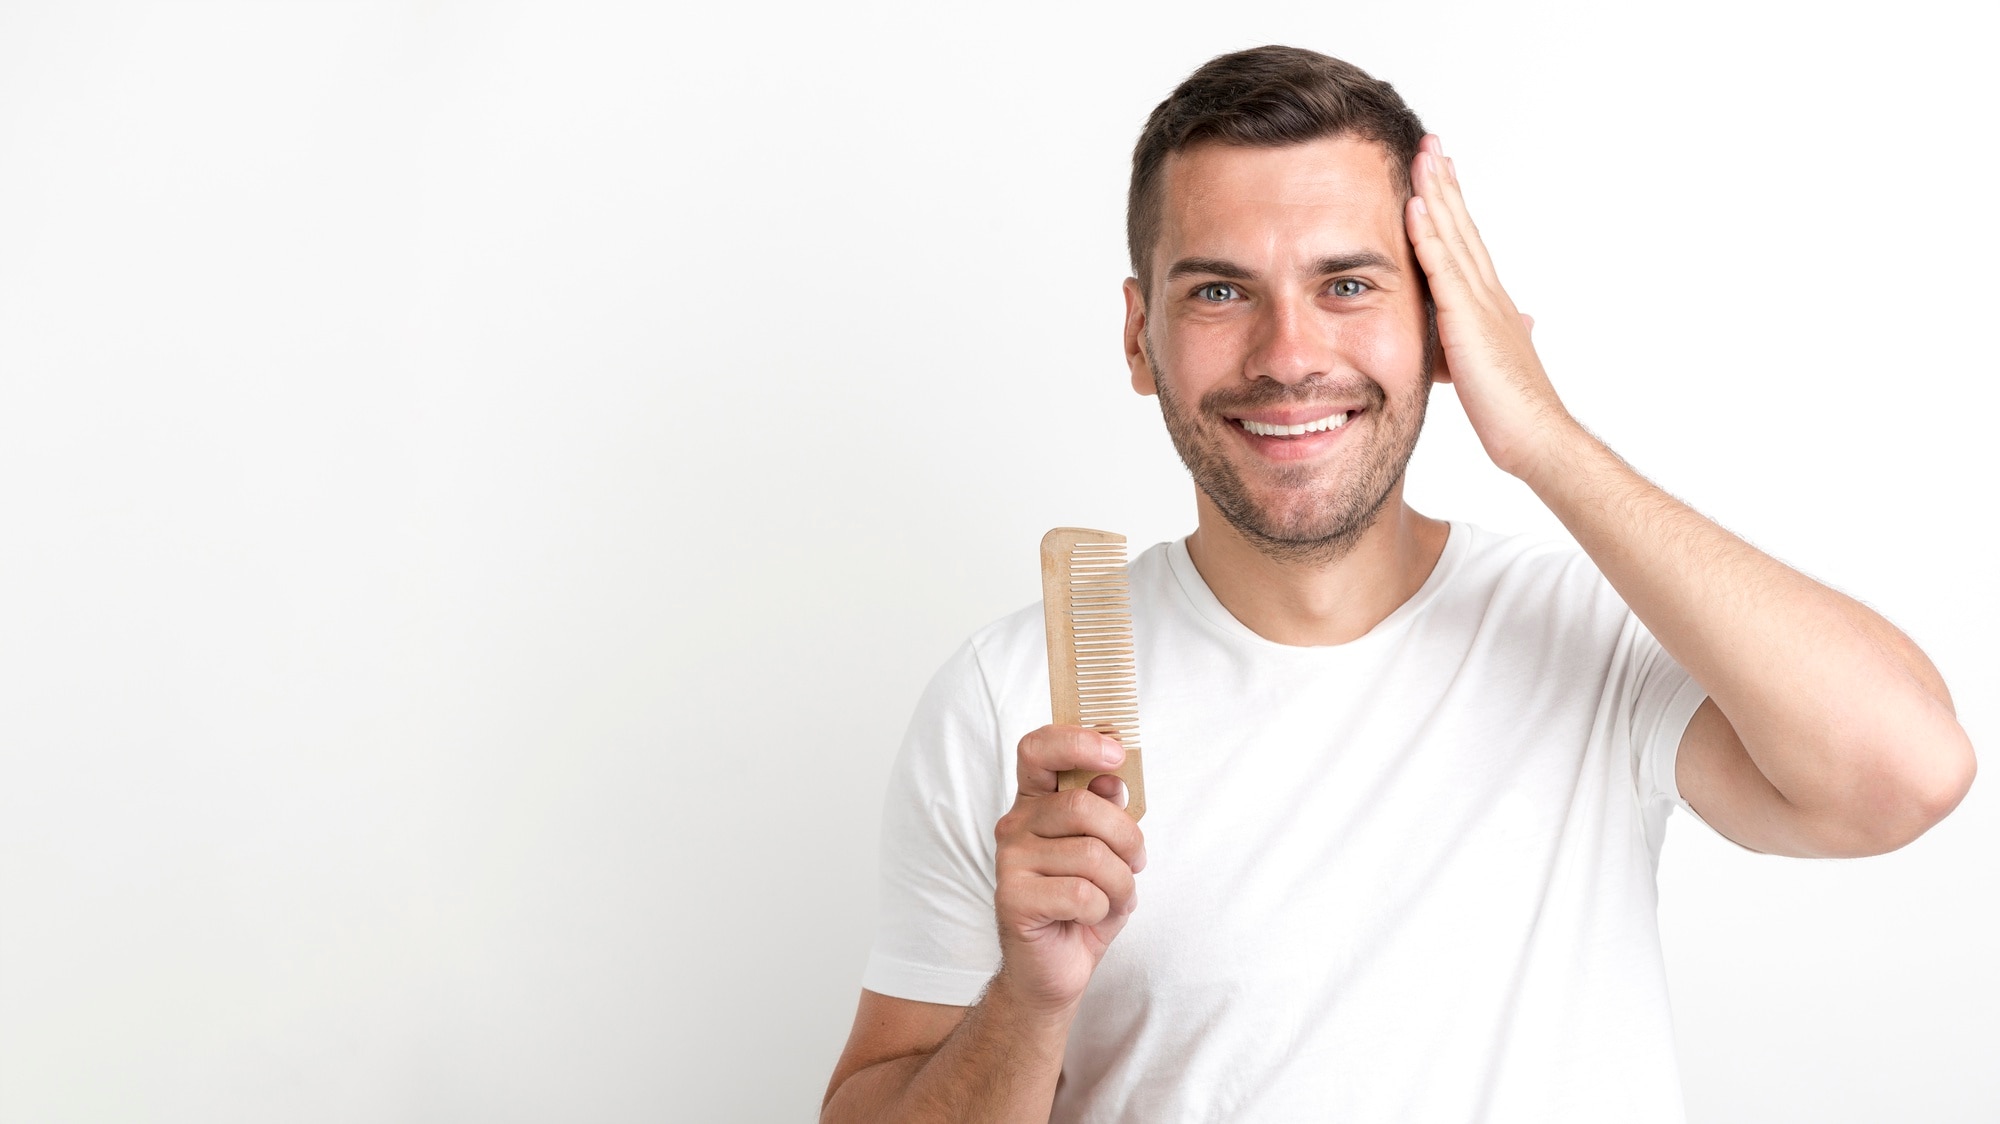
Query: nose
1291	345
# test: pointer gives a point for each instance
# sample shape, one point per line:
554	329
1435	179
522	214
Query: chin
1305	527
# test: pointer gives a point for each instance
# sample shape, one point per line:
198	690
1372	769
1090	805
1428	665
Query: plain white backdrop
483	486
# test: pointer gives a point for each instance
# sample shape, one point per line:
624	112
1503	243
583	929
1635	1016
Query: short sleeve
1660	698
937	940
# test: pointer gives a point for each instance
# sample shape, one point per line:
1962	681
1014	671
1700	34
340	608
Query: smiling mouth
1317	425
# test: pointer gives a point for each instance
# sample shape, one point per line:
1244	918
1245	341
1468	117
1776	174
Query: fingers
1066	855
1434	231
1453	198
1045	754
1081	812
1076	878
1438	206
1109	786
1434	254
1038	901
1042	811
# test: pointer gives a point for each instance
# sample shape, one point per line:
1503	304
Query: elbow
1944	784
1908	800
1945	789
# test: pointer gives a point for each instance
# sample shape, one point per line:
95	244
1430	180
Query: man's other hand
1064	866
1484	348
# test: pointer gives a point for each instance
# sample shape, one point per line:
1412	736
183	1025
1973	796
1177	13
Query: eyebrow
1230	271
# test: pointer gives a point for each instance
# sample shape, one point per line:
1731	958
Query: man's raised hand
1486	352
1065	865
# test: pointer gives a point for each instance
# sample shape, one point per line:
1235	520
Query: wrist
1559	449
1008	999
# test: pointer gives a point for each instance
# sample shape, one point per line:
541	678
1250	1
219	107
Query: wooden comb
1093	671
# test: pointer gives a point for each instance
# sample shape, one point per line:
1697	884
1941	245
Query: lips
1303	435
1319	424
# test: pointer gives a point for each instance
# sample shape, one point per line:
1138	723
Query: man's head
1265	97
1275	286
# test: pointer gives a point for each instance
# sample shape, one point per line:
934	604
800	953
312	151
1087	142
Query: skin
1827	732
1276	330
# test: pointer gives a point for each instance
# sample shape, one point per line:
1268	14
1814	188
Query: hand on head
1485	346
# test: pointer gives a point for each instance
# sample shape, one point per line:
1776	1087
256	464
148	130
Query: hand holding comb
1093	670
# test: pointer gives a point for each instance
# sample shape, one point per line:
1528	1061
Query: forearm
1828	698
999	1065
1842	716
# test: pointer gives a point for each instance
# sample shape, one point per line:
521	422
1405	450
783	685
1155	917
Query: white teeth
1331	421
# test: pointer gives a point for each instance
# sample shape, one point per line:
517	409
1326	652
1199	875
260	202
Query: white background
483	487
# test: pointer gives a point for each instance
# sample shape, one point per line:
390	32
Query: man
1407	780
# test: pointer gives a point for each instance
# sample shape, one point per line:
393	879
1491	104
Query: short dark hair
1264	97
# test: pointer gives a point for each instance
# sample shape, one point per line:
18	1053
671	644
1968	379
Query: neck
1323	601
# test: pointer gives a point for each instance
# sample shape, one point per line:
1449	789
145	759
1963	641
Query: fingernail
1421	209
1450	169
1440	143
1113	752
1139	861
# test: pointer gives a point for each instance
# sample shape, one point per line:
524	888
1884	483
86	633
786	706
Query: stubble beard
1328	524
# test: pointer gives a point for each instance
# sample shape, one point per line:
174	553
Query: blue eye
1349	287
1216	291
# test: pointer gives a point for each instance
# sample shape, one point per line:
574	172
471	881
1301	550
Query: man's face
1285	293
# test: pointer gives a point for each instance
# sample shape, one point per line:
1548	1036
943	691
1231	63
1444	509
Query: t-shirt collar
1204	601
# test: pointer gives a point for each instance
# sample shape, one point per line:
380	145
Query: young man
1407	779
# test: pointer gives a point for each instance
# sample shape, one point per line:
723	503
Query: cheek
1200	355
1388	347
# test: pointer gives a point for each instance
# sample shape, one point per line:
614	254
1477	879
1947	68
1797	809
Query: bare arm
1827	732
1064	874
997	1061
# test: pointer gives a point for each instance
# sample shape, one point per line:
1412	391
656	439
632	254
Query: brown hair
1264	97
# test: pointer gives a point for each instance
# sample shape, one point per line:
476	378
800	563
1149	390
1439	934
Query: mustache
1264	392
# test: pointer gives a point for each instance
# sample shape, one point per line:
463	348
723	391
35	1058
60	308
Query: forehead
1268	206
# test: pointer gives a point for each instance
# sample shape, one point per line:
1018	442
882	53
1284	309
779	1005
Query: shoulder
1531	590
1008	658
1010	654
1530	570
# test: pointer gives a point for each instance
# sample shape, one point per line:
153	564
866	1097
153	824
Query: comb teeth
1093	666
1100	612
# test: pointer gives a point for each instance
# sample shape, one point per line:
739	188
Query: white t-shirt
1406	878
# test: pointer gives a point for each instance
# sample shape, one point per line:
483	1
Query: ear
1135	339
1440	370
